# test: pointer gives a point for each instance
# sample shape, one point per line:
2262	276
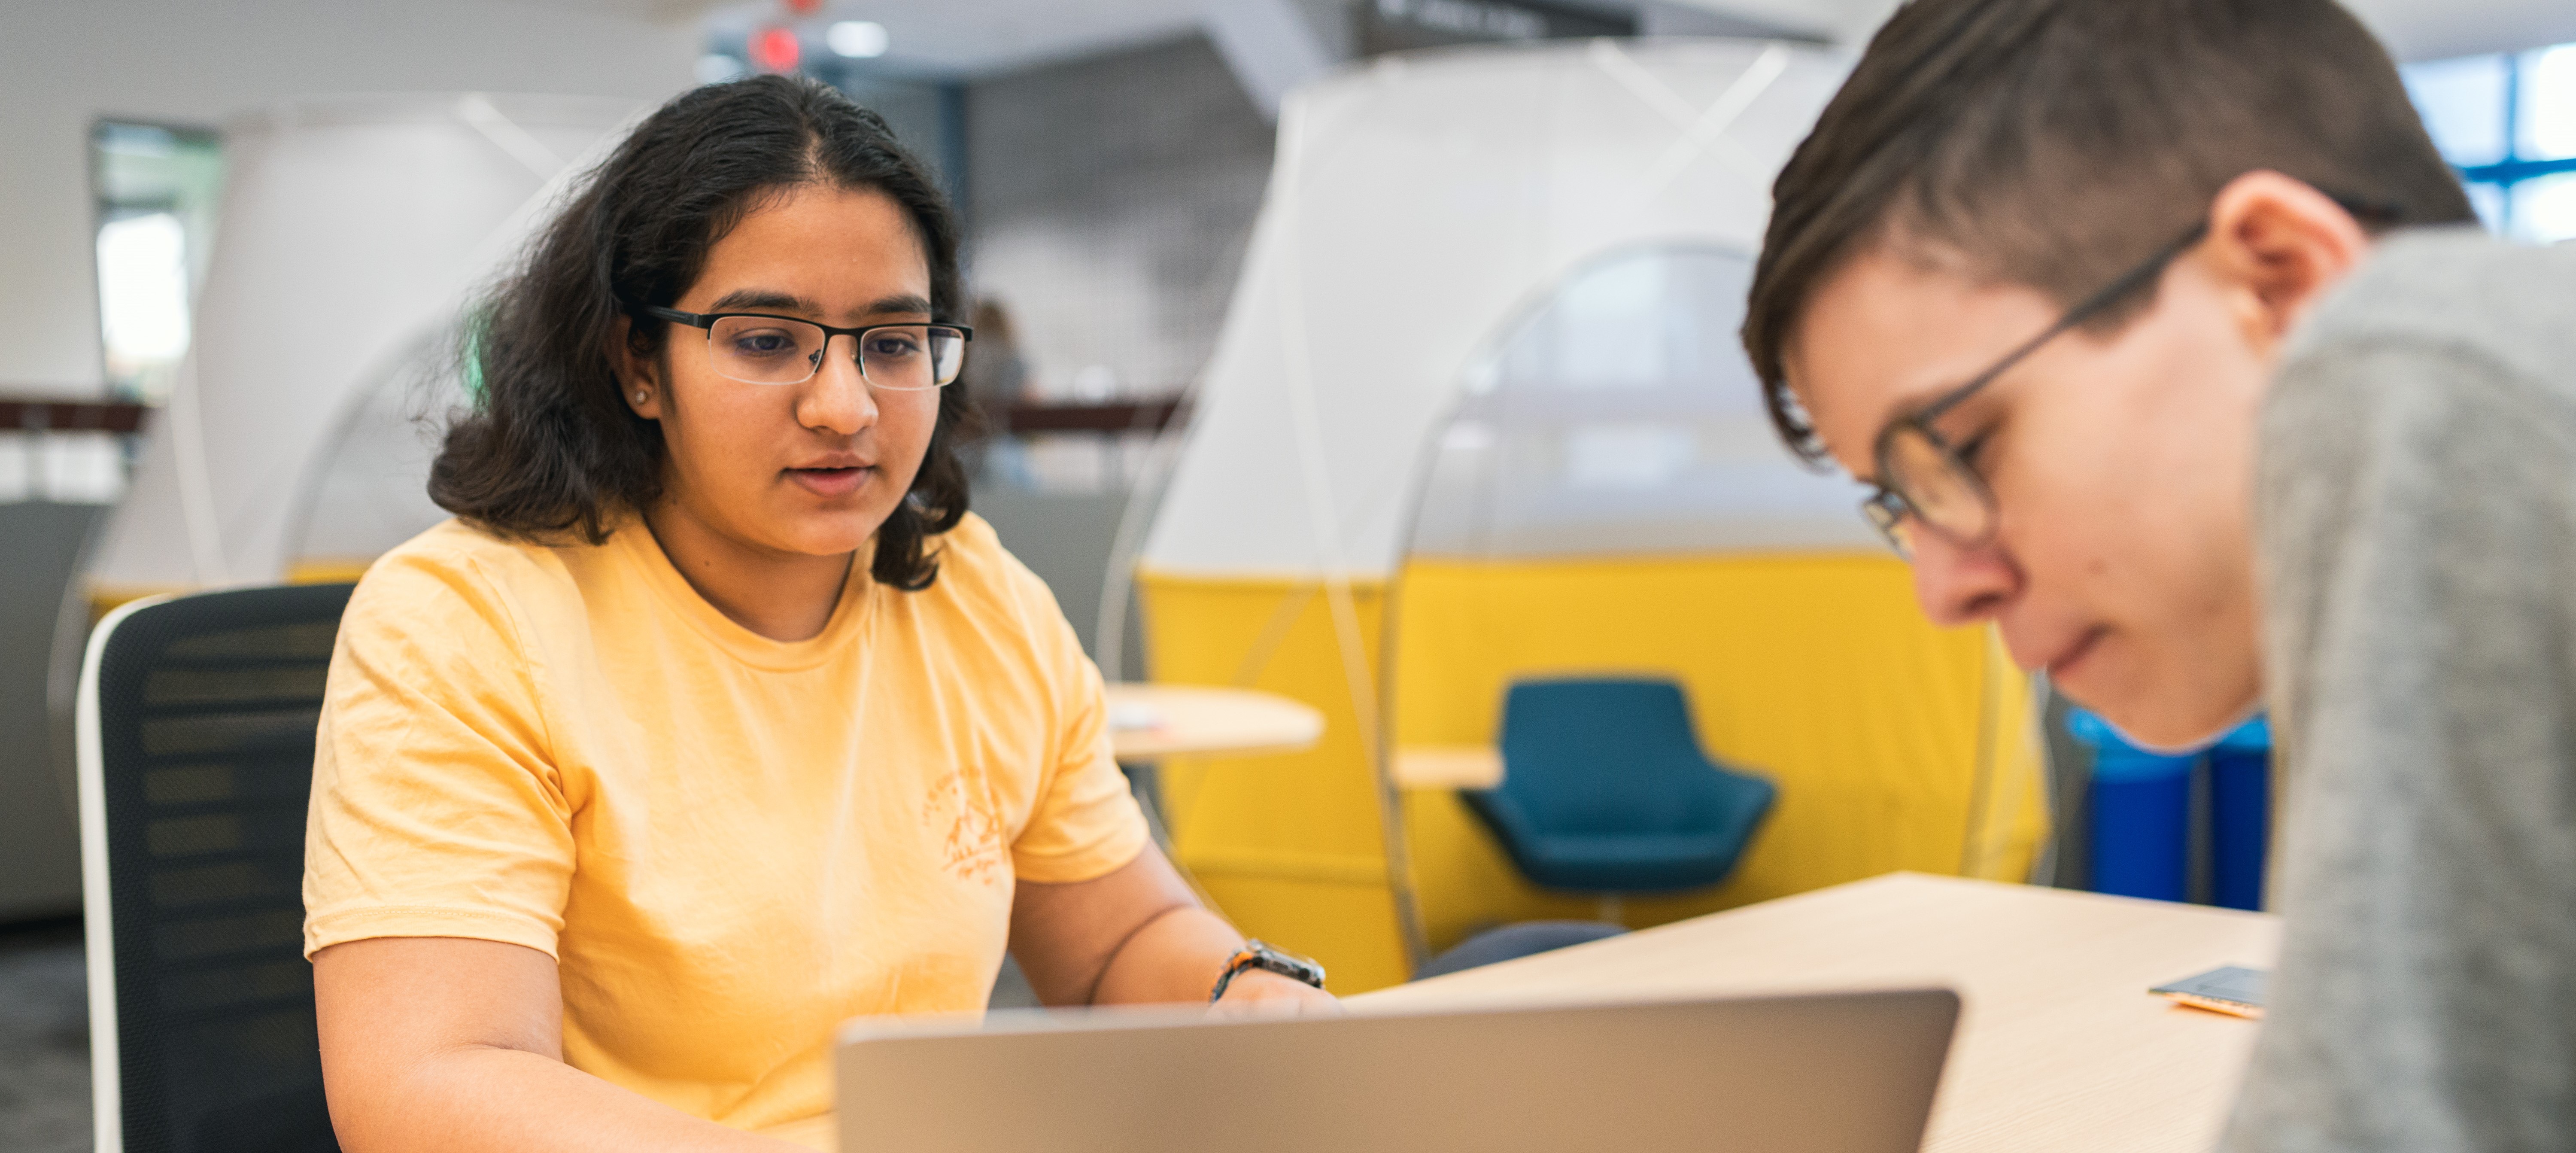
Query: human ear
638	376
2277	245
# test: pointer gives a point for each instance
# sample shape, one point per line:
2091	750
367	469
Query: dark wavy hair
549	447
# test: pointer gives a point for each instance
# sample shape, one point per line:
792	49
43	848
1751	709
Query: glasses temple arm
2083	311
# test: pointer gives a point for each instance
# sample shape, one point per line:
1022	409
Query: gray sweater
2416	515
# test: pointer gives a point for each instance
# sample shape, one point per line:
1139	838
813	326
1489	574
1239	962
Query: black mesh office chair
196	721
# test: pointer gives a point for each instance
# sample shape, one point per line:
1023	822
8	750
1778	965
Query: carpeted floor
44	1041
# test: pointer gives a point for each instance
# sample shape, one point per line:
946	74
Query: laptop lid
1838	1073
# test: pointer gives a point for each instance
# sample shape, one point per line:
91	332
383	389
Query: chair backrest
1513	942
1605	755
196	727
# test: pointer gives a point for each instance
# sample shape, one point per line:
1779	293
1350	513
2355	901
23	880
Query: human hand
1262	993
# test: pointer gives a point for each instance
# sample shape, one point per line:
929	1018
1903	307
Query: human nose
837	398
1958	585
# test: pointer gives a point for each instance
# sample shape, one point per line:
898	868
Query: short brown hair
2055	143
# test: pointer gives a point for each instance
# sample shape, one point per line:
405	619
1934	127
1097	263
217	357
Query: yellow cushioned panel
1815	670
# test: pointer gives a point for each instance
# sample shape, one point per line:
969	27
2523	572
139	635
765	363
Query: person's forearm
479	1098
1177	957
1133	937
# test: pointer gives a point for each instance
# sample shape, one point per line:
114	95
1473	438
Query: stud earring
639	397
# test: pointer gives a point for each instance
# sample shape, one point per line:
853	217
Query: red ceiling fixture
804	7
774	50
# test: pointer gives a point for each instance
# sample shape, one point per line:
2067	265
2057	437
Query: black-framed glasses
1925	480
762	348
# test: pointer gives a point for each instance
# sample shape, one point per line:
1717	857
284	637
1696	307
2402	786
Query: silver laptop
1841	1073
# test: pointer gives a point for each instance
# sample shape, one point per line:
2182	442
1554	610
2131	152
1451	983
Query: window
156	188
2508	123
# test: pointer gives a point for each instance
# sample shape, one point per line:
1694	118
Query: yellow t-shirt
729	844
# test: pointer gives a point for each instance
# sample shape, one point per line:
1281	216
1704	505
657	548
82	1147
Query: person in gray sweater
2170	348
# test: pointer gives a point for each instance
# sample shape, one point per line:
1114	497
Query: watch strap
1257	955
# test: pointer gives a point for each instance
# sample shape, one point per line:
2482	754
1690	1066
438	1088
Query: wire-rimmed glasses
1924	480
762	348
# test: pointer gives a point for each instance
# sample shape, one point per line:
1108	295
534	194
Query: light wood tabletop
1447	766
1149	721
2060	1046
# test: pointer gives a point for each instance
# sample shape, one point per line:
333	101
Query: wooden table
1149	721
1447	767
2060	1047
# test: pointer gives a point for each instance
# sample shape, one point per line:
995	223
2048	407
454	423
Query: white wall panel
1417	207
64	65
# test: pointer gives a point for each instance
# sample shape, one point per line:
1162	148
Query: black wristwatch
1256	955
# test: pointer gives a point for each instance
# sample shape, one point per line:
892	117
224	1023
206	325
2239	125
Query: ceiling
969	37
650	11
2437	29
1841	21
2413	29
980	36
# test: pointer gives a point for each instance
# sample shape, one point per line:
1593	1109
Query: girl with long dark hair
714	719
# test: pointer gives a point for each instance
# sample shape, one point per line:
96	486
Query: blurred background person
997	380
